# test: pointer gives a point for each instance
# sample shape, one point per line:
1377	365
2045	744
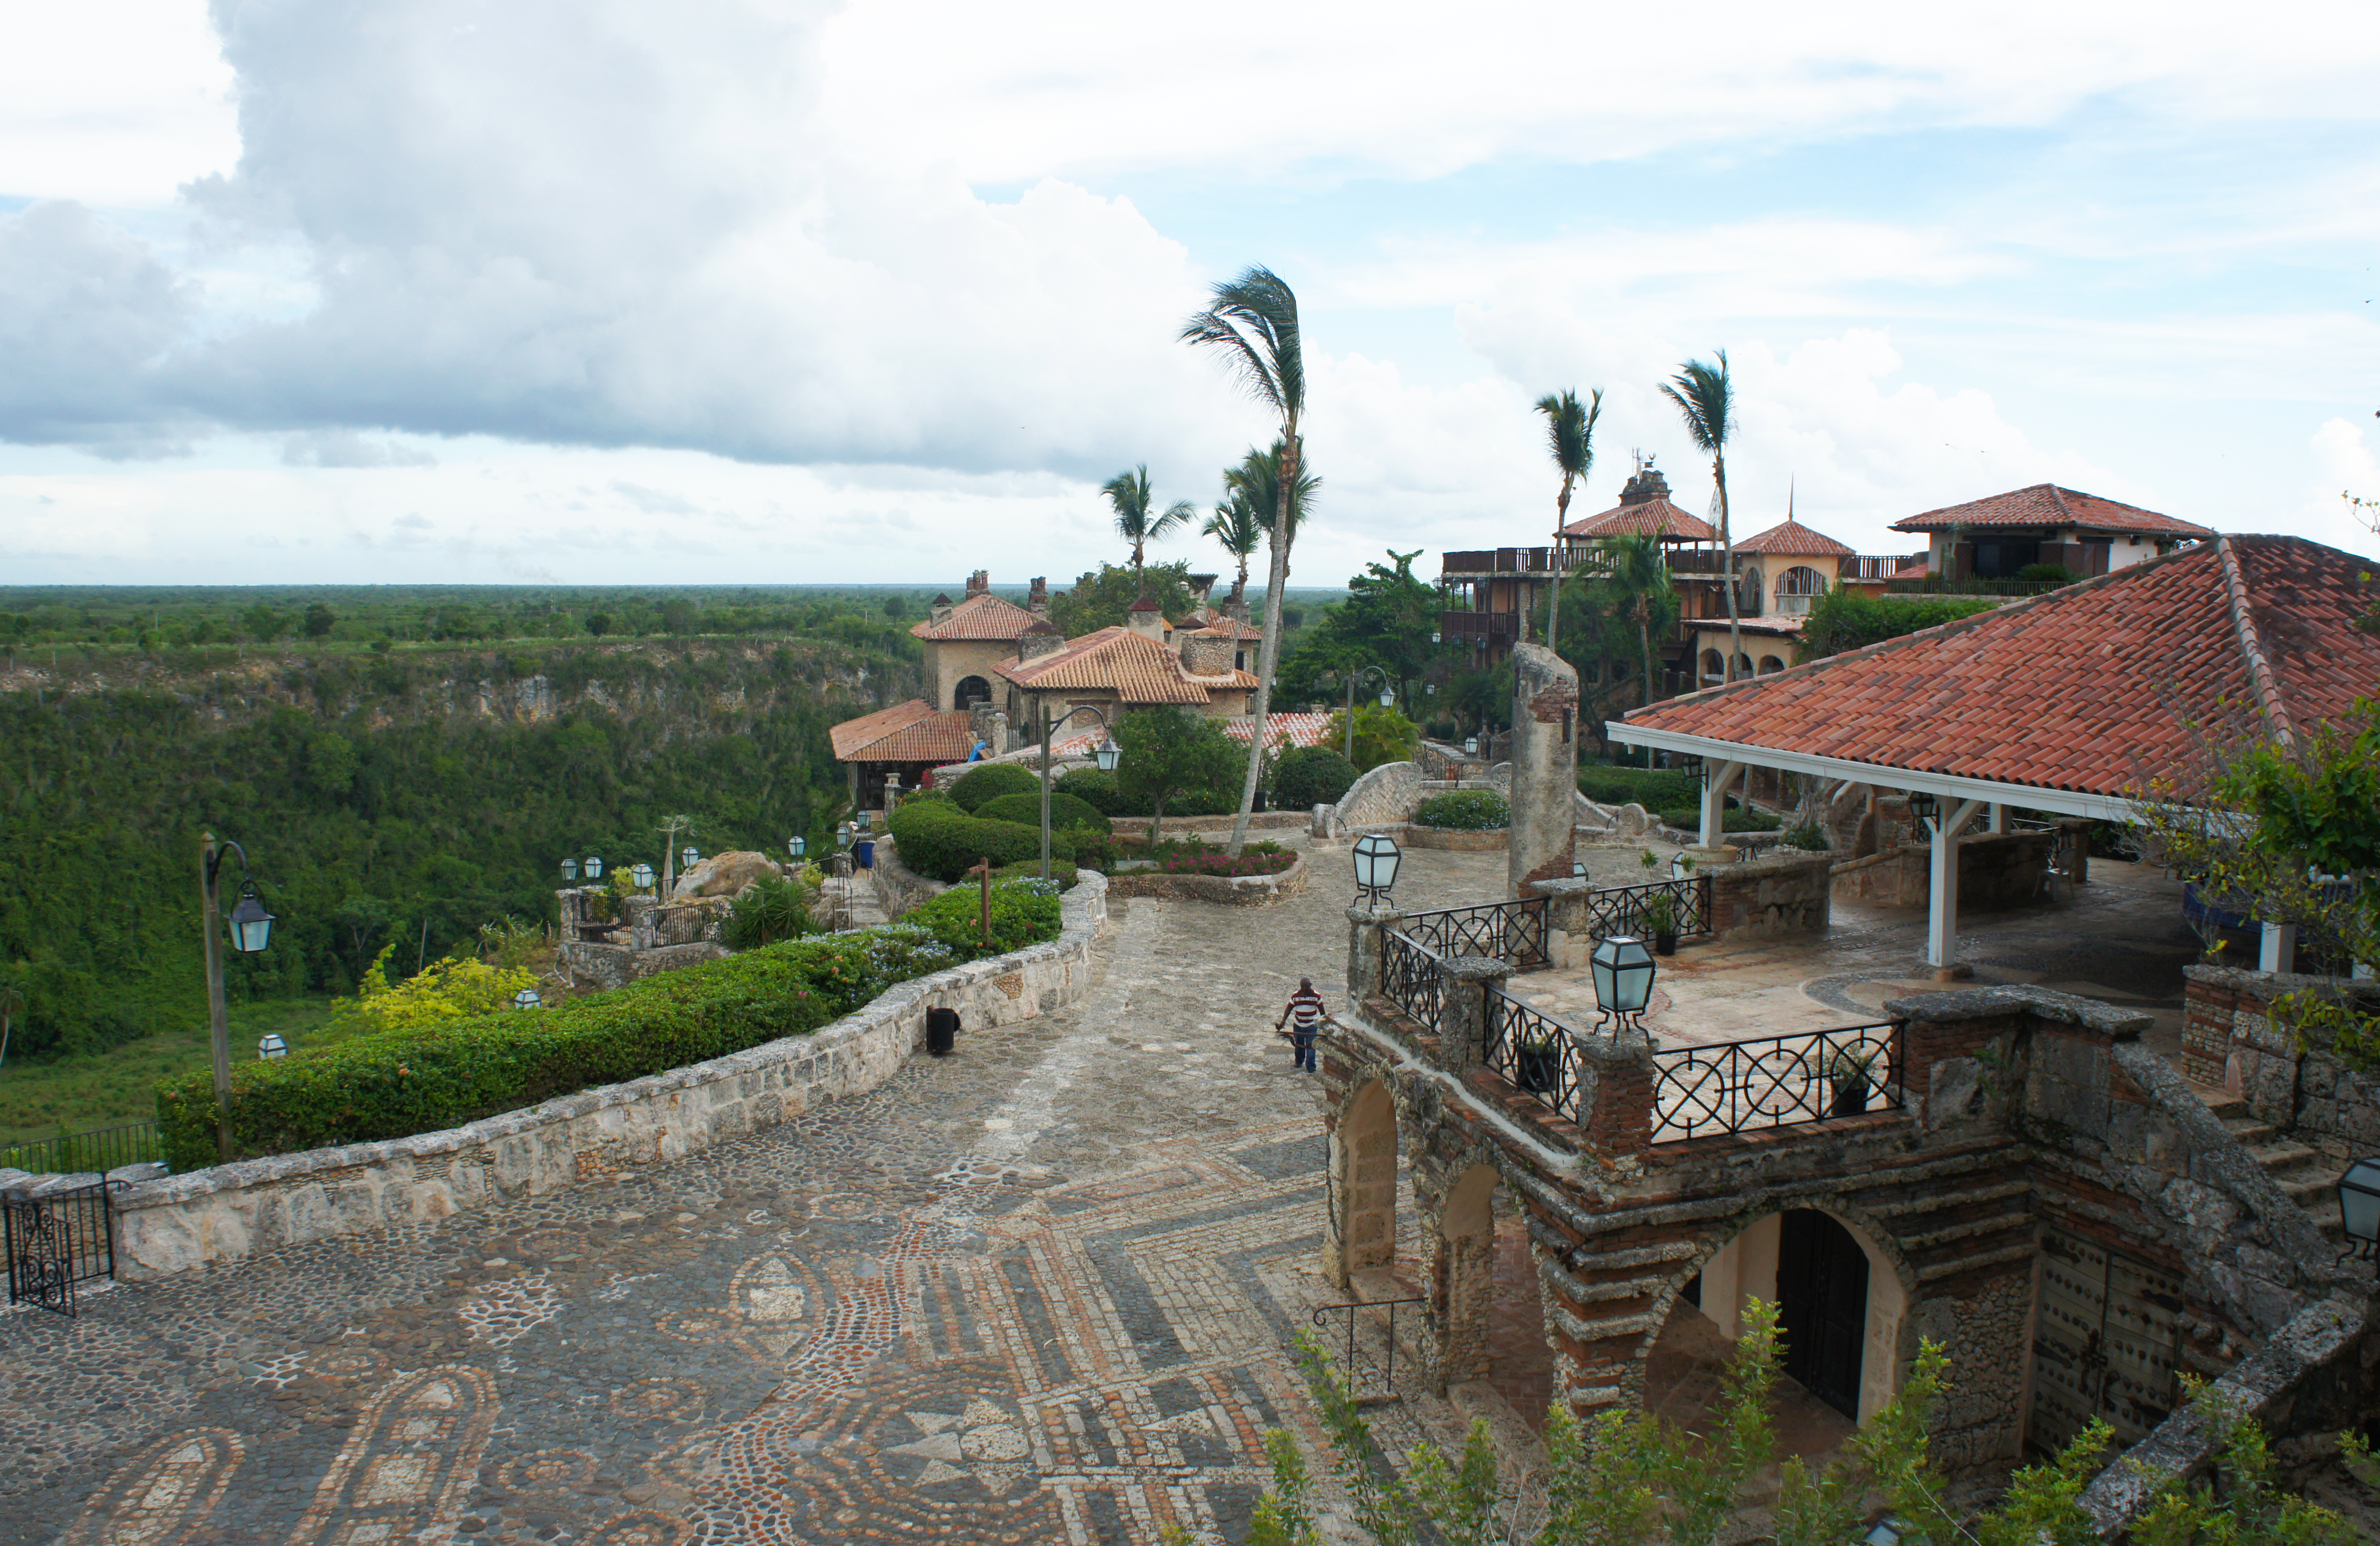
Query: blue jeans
1302	1043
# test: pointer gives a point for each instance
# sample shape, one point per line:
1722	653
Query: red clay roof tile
2046	504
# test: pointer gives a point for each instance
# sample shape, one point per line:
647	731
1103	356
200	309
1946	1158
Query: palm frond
1257	480
1706	401
1570	430
1252	319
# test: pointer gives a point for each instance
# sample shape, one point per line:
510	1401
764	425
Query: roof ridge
2252	645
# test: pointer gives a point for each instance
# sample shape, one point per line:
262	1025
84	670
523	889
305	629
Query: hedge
1464	810
1066	811
1689	818
990	782
393	1083
1021	914
936	838
1310	775
1098	791
1654	788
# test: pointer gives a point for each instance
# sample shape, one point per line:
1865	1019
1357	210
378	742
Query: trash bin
864	853
941	1031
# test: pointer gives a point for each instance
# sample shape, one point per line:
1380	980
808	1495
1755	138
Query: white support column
1942	913
1999	817
2279	951
1714	789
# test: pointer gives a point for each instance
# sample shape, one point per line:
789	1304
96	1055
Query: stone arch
1459	1273
1714	666
970	692
1739	1261
1362	1230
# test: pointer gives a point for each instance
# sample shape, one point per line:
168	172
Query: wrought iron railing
1744	1087
56	1241
1535	1053
1514	932
1498	560
101	1148
1356	1369
1409	976
1633	910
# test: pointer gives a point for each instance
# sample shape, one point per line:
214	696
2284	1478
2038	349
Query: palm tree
1253	319
1257	481
1707	402
1635	584
1237	528
1570	427
1129	496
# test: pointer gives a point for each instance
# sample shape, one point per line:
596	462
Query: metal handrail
1513	931
1535	1053
1779	1082
99	1149
1623	909
1409	976
1389	1360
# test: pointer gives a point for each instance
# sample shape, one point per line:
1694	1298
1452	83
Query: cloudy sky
772	291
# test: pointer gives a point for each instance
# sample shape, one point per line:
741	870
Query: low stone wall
2290	1077
1260	820
901	887
1389	793
2000	869
1789	893
1230	891
1493	841
1895	878
229	1212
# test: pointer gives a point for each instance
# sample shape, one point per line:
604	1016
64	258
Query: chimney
1205	654
1146	620
1038	602
940	612
1041	640
1235	605
978	584
1645	486
1201	587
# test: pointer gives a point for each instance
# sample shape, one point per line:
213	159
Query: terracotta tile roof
1218	623
1301	730
983	617
1916	564
2046	504
2089	688
1137	669
1655	516
910	732
1791	539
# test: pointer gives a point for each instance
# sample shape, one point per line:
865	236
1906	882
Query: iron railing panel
1623	909
1409	976
55	1240
1780	1081
1535	1053
100	1149
1514	932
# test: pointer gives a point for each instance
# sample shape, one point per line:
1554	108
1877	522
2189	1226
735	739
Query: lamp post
1622	970
642	875
1107	754
1355	679
2358	1206
250	930
529	998
798	845
1922	806
687	858
1376	860
570	869
270	1046
594	868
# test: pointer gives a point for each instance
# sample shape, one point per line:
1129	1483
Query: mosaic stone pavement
1040	1291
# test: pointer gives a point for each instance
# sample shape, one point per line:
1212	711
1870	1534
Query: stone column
1566	914
1545	766
1363	950
1463	1008
1621	1115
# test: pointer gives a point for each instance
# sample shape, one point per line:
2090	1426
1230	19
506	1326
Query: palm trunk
1269	646
1553	612
1727	542
1644	640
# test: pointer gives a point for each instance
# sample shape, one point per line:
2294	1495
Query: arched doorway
1363	1233
1770	666
1822	1282
970	692
1714	666
1797	587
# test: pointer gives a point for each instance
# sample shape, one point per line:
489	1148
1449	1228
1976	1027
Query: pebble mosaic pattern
1040	1291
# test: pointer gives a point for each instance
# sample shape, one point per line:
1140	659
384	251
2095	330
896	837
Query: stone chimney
1037	601
940	612
1201	587
1144	619
1235	605
1205	654
1645	486
978	584
1041	638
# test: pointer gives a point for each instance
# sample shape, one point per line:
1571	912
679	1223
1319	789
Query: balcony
1480	627
1869	567
1496	561
1969	585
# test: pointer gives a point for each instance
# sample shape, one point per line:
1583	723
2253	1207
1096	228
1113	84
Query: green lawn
42	1099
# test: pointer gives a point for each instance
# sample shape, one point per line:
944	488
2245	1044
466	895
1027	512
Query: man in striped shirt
1305	1007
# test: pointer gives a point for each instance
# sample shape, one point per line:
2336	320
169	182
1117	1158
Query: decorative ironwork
1409	976
1514	932
1744	1087
1629	910
1352	1371
56	1240
101	1149
1536	1053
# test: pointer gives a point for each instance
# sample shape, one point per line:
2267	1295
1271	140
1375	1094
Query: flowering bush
1224	864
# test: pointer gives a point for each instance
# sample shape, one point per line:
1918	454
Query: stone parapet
2290	1076
226	1213
1790	893
1230	891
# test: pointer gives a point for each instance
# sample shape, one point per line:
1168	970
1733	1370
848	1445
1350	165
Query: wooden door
1822	1306
2106	1344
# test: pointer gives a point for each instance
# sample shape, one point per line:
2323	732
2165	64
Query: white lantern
688	857
2359	1204
251	926
1377	858
529	998
570	869
1470	746
1109	753
1678	867
1387	698
272	1047
642	875
1622	970
594	868
796	846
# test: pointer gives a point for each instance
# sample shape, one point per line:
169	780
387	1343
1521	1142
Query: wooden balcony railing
1491	626
1498	560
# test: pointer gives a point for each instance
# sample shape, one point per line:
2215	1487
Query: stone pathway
1040	1291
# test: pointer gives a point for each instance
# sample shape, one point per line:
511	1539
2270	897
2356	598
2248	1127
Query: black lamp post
1378	859
251	930
1107	754
2358	1206
1622	970
1355	679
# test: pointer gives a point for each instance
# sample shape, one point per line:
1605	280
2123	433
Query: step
2248	1130
2280	1154
2219	1101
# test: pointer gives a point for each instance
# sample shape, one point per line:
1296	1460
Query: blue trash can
863	854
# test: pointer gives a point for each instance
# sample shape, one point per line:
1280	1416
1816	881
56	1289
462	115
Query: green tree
1706	400
1841	619
598	623
1252	319
263	624
320	621
1104	600
1634	584
1382	735
1257	481
1137	519
1570	435
1237	526
1169	752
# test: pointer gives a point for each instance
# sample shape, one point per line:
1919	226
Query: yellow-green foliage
443	990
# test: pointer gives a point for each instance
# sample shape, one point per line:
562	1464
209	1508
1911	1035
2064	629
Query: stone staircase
2308	1175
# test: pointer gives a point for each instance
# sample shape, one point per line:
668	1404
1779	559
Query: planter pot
1261	798
1664	944
1539	1069
1851	1100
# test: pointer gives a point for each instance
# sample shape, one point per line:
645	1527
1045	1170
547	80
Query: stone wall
650	936
900	887
1232	890
1451	840
226	1213
1996	870
2290	1077
1545	766
1894	878
1387	794
1789	893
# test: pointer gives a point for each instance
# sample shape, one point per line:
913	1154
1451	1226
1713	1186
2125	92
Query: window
971	691
1714	666
1770	666
1797	586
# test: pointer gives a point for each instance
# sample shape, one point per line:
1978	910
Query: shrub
420	1078
2057	572
1808	834
1688	818
1382	735
1021	914
990	782
1094	788
1654	788
768	910
1066	811
448	989
1465	810
938	839
1310	775
1102	793
1224	864
1062	874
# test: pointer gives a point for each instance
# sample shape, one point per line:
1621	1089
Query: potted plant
1852	1075
1662	922
1538	1066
